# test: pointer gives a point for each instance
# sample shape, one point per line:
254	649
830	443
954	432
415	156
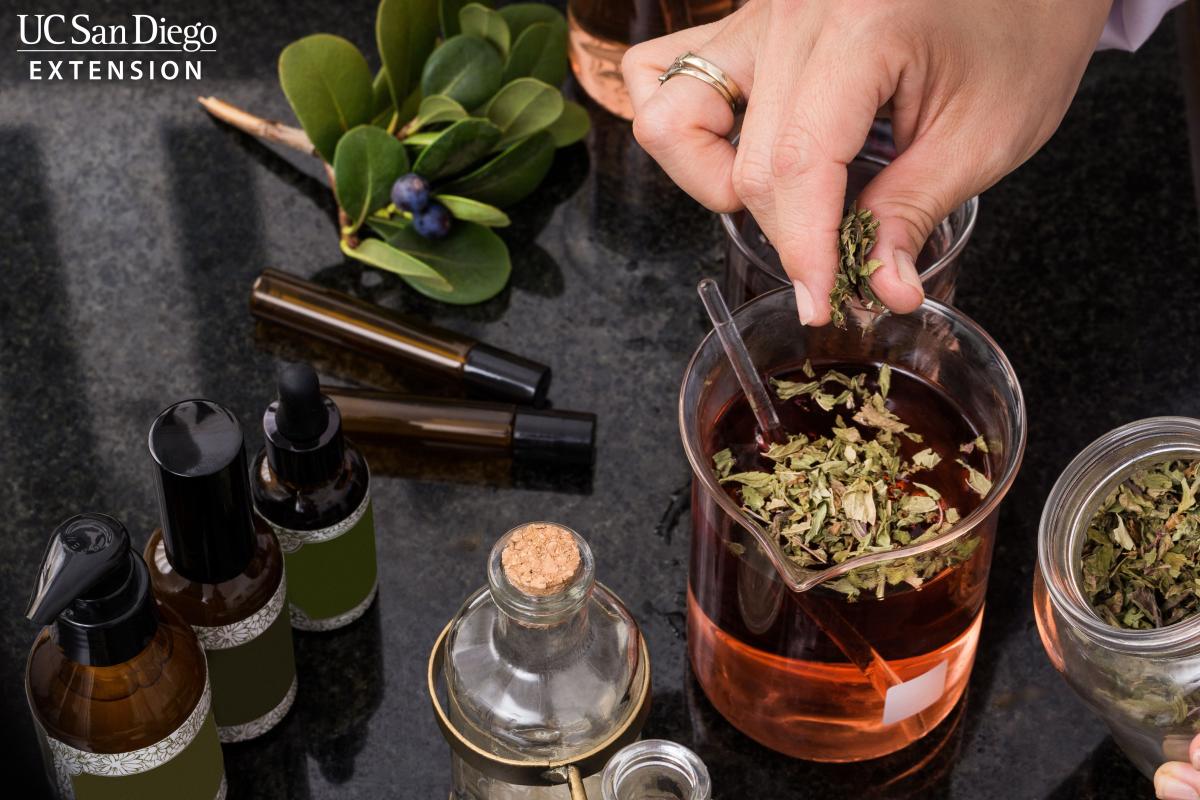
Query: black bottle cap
303	429
563	436
203	490
97	592
506	375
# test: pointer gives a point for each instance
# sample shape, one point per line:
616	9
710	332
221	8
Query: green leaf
522	108
456	148
479	20
437	108
571	126
509	176
448	14
411	104
520	16
472	259
328	84
464	68
539	52
423	139
381	91
420	275
367	163
405	33
465	208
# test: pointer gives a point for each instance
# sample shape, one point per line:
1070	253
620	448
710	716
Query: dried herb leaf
836	497
856	238
1140	562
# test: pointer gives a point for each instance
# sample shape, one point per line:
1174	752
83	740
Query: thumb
910	197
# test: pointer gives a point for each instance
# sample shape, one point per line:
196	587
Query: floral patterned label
188	758
236	634
292	540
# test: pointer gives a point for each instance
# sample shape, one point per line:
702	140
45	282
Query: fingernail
804	303
1168	788
907	270
1196	760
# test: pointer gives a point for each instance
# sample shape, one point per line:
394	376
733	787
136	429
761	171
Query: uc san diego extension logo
142	47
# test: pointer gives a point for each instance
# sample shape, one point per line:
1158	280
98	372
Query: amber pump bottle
220	570
313	488
117	685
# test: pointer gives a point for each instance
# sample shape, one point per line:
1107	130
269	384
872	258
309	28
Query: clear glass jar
752	265
539	678
656	769
787	660
1145	684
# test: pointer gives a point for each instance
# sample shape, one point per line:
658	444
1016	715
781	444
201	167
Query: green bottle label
332	574
185	765
252	669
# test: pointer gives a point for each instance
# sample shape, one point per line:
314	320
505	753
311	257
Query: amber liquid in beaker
602	30
764	662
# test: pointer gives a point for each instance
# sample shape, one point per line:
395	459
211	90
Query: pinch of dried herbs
1141	560
840	496
853	278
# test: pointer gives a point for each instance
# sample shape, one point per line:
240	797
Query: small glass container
1144	684
656	769
752	265
545	670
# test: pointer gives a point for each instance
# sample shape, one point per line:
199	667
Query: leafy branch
461	121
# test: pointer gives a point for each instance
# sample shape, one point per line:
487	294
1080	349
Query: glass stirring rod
739	358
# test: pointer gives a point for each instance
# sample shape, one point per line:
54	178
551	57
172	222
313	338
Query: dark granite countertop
134	224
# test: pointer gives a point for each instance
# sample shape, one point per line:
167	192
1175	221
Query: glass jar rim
660	754
971	207
1094	472
790	573
541	609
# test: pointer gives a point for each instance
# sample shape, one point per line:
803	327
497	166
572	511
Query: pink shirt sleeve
1131	22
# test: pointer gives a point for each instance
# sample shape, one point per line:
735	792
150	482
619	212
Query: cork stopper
540	559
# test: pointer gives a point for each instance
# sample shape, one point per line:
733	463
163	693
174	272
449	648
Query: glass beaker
602	30
752	265
787	660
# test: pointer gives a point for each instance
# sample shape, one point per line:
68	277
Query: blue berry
433	222
410	193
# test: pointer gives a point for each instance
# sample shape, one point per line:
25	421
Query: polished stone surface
133	226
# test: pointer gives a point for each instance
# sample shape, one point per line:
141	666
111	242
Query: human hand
1179	780
973	87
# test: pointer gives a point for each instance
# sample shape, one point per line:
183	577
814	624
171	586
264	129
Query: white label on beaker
912	697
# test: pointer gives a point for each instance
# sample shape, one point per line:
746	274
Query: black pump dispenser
97	592
203	490
303	429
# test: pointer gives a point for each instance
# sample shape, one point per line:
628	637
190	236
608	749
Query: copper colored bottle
221	569
602	30
117	685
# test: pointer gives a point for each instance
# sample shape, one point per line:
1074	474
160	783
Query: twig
256	126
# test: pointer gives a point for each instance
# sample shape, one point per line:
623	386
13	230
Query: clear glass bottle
656	769
541	664
1145	684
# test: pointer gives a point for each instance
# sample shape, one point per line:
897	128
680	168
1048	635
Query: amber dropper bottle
313	488
567	437
391	337
117	685
219	568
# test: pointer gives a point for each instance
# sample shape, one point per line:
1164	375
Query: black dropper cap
503	374
548	435
203	490
303	429
97	592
